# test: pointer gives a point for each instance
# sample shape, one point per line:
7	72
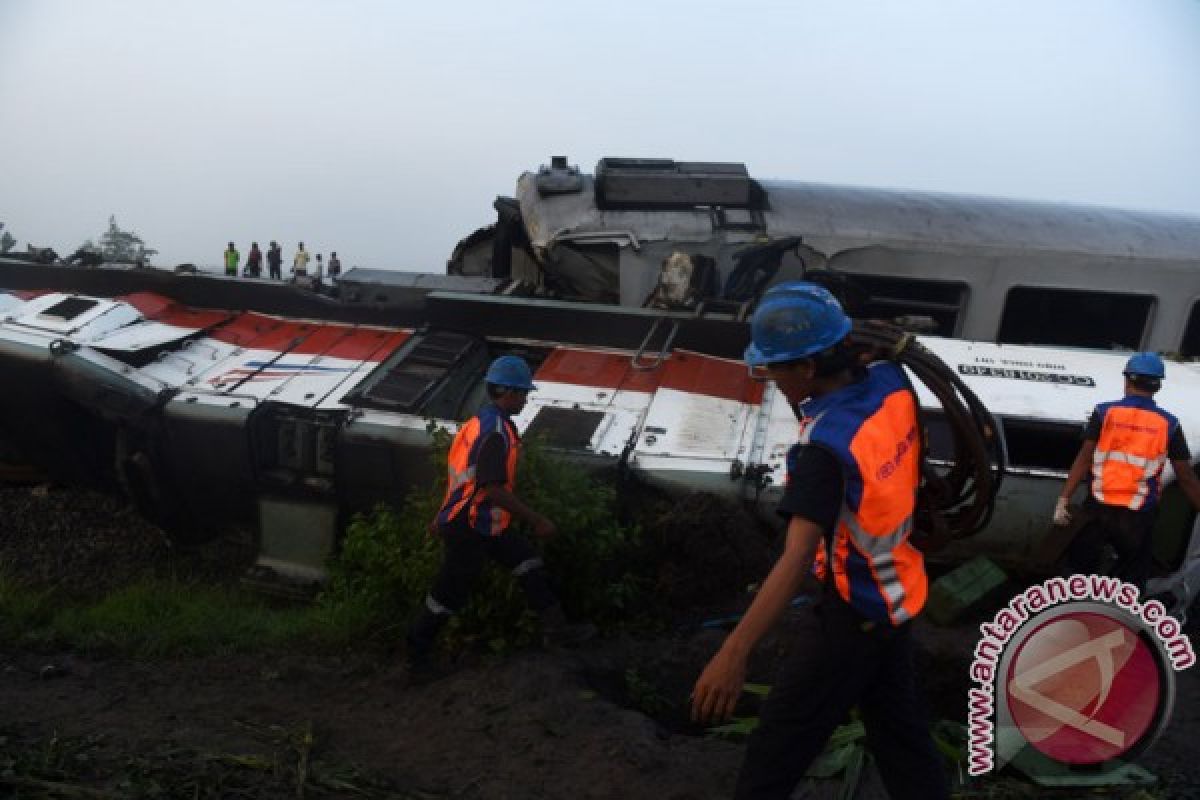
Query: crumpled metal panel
559	217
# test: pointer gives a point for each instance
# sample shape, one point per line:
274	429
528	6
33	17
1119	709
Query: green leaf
739	726
831	762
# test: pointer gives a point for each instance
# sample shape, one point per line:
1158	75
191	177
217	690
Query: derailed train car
701	235
291	424
628	289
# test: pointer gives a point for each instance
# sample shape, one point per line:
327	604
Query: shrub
389	560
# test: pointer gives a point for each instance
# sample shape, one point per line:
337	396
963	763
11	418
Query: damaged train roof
650	209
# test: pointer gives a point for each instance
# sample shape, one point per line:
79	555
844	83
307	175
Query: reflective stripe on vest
1130	453
462	492
871	427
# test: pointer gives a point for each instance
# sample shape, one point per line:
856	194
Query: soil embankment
608	721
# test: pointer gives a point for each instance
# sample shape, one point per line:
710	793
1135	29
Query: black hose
959	501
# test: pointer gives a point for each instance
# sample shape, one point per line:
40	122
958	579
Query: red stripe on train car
162	309
318	340
337	341
602	370
288	336
368	344
715	377
683	371
245	329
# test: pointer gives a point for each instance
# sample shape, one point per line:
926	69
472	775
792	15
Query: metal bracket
663	352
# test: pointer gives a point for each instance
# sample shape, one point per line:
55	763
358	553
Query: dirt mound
609	721
85	544
708	551
530	726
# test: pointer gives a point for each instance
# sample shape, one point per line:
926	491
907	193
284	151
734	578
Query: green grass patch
162	617
22	609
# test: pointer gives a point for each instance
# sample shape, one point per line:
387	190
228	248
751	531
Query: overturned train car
290	423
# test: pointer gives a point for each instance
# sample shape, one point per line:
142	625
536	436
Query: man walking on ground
1125	446
300	262
335	267
474	519
275	261
849	500
231	260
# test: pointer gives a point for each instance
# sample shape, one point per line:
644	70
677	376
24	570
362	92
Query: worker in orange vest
474	520
1126	444
849	503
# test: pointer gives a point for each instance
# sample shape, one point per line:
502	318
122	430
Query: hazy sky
383	130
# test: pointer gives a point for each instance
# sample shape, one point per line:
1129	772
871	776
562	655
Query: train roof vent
70	308
663	183
559	178
441	349
402	382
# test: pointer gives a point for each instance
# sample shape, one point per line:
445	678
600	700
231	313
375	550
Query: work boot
422	634
557	632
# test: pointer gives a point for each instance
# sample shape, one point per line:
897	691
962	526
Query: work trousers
463	558
1131	535
276	271
837	662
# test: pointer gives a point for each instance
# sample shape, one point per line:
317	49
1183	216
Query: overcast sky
383	130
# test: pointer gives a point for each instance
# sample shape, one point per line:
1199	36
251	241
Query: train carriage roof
878	216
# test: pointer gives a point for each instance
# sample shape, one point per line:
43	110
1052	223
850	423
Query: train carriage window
1191	335
1041	444
885	297
938	437
70	308
1074	318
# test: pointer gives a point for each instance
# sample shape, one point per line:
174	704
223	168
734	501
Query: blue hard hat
795	320
1148	364
510	372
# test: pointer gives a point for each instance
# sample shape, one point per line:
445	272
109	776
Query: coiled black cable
958	501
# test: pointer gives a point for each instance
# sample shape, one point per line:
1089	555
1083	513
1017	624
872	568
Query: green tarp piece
960	590
1052	774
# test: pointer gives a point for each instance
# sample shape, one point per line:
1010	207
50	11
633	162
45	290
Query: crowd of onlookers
253	266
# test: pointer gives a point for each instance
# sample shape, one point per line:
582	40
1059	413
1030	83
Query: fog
384	130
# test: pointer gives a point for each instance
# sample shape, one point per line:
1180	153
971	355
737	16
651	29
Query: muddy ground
607	721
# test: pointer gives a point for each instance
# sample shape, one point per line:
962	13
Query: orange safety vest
1130	452
871	427
462	492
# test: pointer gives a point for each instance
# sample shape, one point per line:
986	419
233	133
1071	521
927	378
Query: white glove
1062	517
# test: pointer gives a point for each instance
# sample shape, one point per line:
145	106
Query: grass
164	617
22	610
